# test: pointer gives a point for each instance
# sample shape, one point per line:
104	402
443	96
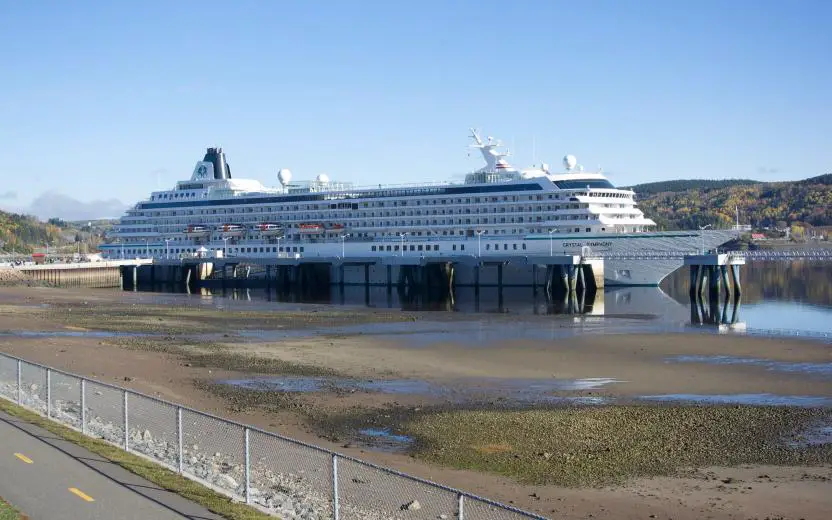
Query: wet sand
169	366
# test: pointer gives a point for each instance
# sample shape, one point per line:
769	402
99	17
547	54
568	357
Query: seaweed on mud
245	400
594	446
220	356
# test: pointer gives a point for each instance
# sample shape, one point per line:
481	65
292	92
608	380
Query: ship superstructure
498	210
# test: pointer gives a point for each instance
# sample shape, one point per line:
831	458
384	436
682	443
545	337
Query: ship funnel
216	157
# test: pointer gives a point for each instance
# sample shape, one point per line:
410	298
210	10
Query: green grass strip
7	512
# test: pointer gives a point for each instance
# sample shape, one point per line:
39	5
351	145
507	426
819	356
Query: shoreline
179	365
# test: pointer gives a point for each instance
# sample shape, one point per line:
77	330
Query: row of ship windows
300	249
316	207
467	211
318	216
418	222
436	247
468	200
234	241
176	195
183	250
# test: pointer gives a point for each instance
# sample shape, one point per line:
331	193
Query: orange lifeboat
310	229
270	229
197	231
232	230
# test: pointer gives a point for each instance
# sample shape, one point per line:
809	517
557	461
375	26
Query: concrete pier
88	274
708	273
413	274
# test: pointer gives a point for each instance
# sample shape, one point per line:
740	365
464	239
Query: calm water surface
793	298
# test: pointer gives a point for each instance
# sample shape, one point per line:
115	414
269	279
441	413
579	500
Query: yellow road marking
23	457
84	496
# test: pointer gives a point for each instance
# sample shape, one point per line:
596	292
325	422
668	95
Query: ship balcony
134	234
626	221
615	207
619	212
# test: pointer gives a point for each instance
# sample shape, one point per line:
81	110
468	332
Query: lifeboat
310	229
336	227
197	231
231	230
269	229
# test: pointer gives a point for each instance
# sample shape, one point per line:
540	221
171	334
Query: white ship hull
638	264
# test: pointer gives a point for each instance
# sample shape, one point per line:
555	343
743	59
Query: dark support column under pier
723	271
735	274
712	271
694	280
713	276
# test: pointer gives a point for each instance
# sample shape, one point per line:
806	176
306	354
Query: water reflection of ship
645	302
513	300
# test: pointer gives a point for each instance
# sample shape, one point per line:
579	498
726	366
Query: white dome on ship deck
322	178
284	176
569	161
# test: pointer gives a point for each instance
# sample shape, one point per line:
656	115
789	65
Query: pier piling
711	271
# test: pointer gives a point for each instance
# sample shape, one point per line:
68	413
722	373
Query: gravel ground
10	276
592	446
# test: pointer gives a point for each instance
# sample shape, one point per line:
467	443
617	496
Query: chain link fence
278	475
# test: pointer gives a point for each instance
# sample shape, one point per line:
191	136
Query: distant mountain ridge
681	185
686	204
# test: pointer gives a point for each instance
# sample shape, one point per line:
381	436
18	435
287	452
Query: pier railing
276	474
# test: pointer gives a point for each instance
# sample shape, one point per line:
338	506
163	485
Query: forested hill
685	204
23	233
691	184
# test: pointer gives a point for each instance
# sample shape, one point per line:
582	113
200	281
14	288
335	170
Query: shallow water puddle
817	436
747	399
384	439
534	390
817	369
473	333
69	334
319	384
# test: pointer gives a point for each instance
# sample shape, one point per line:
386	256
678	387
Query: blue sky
99	100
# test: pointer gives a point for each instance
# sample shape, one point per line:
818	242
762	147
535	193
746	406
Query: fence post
48	393
180	451
84	406
460	513
335	507
248	466
126	425
19	383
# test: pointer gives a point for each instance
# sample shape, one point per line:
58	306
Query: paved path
49	478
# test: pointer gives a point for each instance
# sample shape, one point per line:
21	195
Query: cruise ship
497	210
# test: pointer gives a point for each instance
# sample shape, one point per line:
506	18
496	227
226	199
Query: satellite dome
322	178
284	176
570	161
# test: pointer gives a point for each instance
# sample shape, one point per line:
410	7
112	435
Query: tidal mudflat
564	425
